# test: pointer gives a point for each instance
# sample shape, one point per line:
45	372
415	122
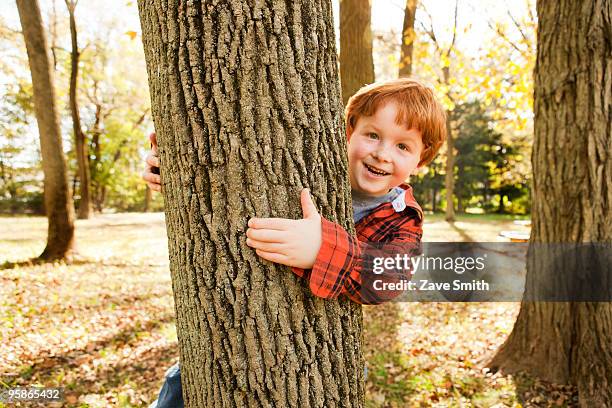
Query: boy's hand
289	242
151	173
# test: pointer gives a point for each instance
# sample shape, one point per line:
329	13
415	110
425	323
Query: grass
480	217
103	328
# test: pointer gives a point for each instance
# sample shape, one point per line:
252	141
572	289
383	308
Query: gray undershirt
363	204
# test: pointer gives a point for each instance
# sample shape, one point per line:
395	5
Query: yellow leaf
131	34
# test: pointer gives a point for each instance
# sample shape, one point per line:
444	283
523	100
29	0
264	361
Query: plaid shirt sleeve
343	259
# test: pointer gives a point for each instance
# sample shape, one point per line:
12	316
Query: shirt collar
406	199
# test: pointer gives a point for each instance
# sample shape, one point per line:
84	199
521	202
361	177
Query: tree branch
518	27
500	32
452	44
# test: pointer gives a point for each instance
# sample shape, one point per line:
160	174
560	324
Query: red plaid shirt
342	258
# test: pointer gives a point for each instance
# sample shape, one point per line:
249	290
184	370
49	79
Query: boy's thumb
153	140
308	207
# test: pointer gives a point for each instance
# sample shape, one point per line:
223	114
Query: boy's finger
152	160
273	257
265	246
266	235
151	177
280	224
154	187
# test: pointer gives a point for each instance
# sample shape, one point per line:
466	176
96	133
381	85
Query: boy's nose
381	154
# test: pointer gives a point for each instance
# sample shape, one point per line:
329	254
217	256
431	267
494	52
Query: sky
386	15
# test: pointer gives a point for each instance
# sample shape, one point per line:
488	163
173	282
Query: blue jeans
171	393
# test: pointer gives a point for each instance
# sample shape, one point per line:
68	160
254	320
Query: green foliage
429	183
486	165
114	108
116	114
20	181
489	167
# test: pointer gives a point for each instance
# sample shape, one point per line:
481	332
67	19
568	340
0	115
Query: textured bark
572	196
80	144
58	201
356	61
408	37
449	179
247	109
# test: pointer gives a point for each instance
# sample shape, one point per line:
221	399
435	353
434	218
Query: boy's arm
345	265
333	261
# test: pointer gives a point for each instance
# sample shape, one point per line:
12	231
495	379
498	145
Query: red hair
417	108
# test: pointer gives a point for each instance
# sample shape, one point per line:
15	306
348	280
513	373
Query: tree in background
80	142
569	341
58	202
408	37
486	165
444	55
20	188
475	144
428	184
506	72
116	122
356	61
248	110
114	113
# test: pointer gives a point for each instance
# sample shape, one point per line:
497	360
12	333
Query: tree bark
58	201
356	61
449	179
147	199
572	196
408	37
80	144
247	109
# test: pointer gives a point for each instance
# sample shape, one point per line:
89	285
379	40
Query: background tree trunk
80	144
408	37
449	179
147	199
572	196
58	201
356	61
247	108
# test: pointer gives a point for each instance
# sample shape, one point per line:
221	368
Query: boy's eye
402	146
373	136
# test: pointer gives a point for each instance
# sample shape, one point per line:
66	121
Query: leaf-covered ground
103	327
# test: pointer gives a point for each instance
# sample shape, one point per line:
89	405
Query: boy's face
381	153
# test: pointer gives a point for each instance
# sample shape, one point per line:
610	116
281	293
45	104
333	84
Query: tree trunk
148	198
501	208
356	61
572	196
58	201
460	205
80	144
408	37
434	199
247	109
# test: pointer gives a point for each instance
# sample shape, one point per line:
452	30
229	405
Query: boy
393	128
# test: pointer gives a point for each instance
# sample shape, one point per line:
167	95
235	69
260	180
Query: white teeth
376	171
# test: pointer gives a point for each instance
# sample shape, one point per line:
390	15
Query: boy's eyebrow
404	138
371	125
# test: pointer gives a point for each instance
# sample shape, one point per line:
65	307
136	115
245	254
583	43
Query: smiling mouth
376	171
